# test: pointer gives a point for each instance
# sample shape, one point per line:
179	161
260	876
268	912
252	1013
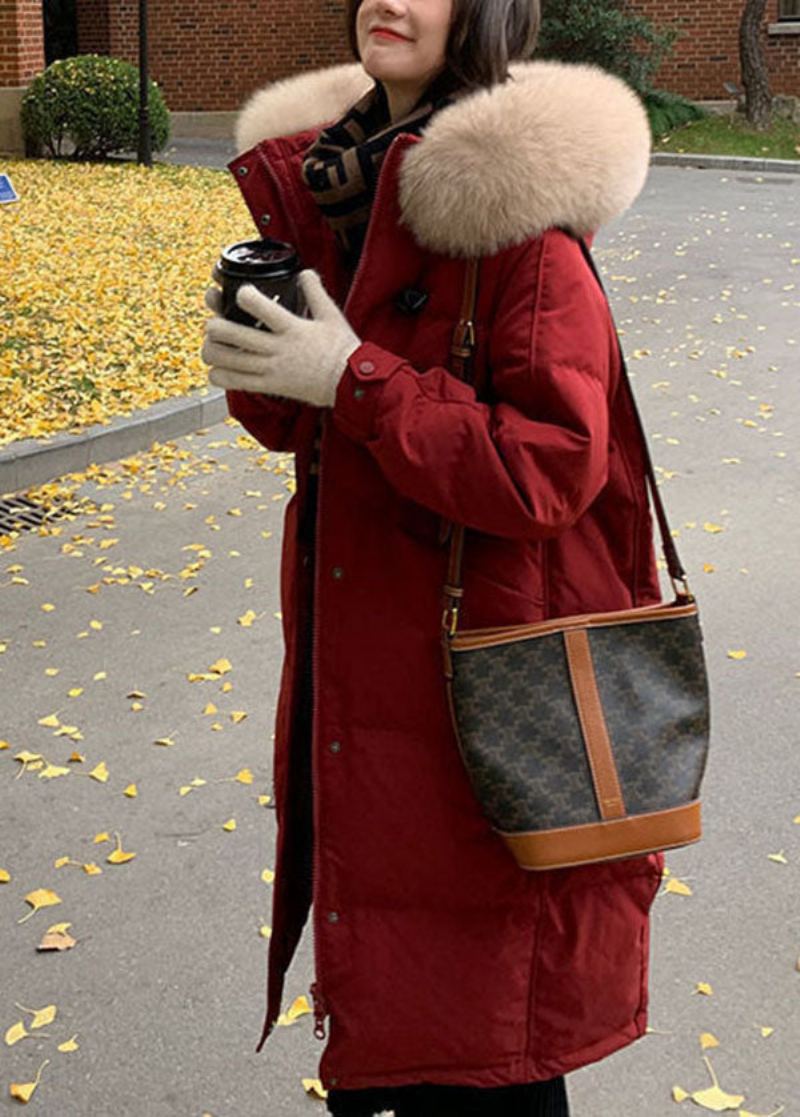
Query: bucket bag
585	738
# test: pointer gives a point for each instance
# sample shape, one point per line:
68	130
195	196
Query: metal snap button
242	171
366	368
338	572
358	393
333	917
266	218
335	746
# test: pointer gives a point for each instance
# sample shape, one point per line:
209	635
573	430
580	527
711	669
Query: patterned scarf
341	169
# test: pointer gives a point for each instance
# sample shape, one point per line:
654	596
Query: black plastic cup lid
267	257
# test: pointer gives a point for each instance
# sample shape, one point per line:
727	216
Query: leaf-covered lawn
731	135
101	292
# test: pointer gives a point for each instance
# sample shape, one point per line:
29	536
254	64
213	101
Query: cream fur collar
561	144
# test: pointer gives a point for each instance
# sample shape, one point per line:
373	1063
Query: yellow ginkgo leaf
98	678
100	772
56	942
247	619
714	1097
766	1031
27	757
778	857
226	687
264	800
166	741
244	776
299	1007
15	1033
738	653
59	928
210	709
185	790
131	791
198	782
230	824
704	987
265	931
52	771
221	667
268	876
118	857
314	1087
43	1016
60	862
237	716
76	692
775	1113
23	1091
41	898
678	887
679	1094
91	869
50	722
707	1039
102	837
69	1044
5	876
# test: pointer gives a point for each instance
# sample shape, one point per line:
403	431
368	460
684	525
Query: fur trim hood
557	144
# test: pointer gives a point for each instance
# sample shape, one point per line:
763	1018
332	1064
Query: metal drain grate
19	514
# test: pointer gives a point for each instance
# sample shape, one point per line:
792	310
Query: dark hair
484	37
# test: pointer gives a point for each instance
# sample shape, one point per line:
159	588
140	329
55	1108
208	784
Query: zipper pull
319	1012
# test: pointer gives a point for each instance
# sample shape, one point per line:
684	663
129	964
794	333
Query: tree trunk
755	76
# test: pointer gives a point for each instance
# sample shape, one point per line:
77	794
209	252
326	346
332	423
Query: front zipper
316	991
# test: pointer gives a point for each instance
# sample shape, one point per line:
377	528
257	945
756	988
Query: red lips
387	33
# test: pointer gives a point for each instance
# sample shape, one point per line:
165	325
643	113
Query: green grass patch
732	135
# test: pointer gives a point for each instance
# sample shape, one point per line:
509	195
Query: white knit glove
298	358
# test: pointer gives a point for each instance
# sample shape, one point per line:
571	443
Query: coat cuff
360	388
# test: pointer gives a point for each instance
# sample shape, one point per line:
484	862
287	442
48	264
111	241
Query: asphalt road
165	984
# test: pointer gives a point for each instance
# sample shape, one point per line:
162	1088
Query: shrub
608	34
668	111
93	102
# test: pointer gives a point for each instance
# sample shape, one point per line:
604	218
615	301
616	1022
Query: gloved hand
301	358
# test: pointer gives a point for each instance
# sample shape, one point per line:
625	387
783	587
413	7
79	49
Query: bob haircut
484	37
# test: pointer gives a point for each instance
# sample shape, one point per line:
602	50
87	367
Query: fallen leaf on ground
314	1087
23	1091
41	898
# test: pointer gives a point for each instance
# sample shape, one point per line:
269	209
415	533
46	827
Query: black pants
535	1099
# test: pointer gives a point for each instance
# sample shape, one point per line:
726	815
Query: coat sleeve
531	462
274	421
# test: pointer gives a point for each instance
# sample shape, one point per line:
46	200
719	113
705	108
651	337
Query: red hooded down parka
437	958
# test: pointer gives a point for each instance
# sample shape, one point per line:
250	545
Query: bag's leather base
606	841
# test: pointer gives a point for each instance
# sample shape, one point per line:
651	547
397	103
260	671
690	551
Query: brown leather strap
618	838
607	788
462	353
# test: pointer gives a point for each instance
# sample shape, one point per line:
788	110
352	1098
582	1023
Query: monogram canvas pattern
521	738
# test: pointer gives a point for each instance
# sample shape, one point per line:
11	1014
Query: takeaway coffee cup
270	265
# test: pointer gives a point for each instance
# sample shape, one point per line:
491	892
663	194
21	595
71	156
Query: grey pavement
165	985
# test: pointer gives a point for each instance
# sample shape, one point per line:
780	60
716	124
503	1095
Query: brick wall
707	55
21	41
207	56
94	31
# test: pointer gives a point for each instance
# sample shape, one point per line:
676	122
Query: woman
452	981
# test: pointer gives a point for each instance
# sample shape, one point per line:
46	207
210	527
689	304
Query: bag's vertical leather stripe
593	723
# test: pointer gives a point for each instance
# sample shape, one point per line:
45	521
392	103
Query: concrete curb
725	162
35	461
